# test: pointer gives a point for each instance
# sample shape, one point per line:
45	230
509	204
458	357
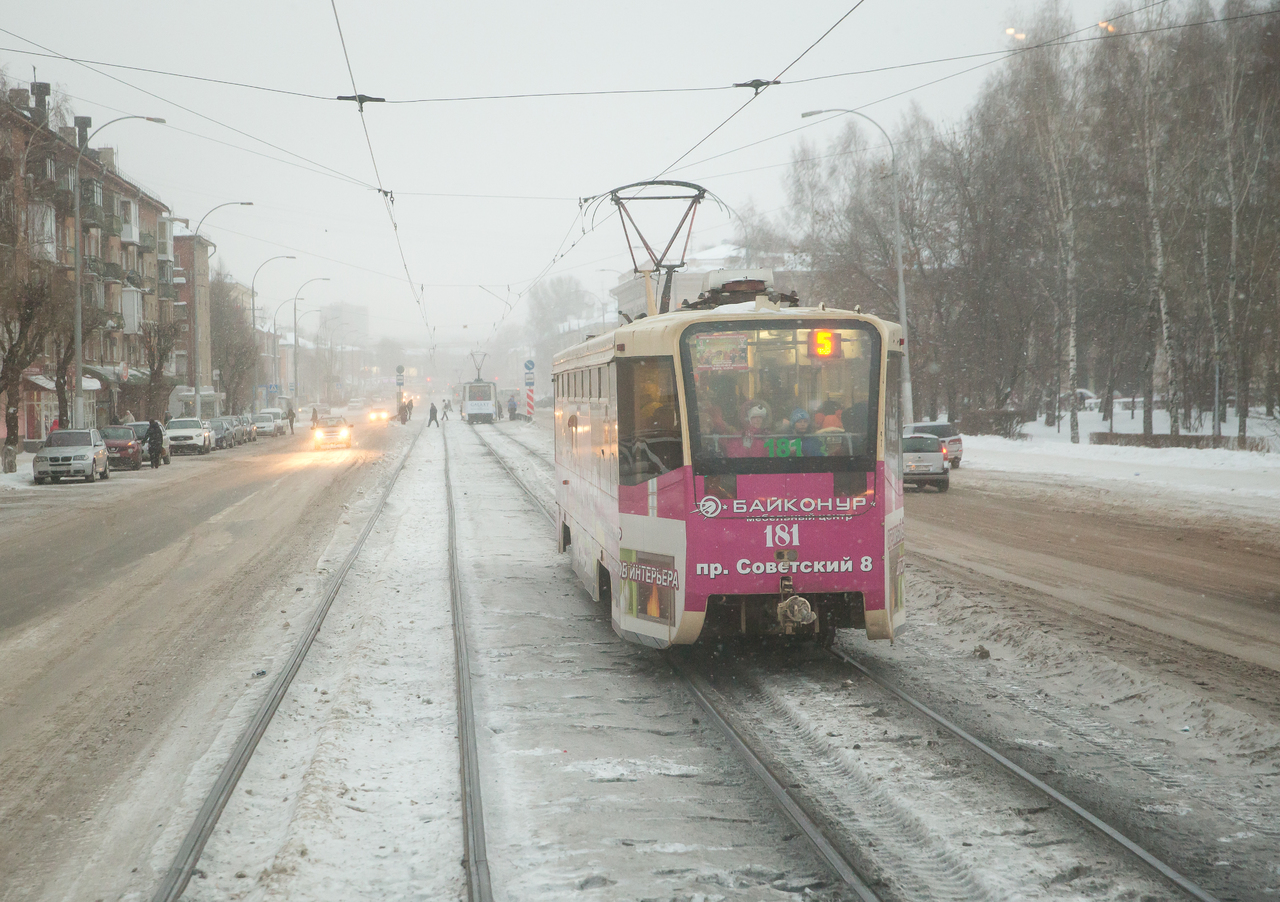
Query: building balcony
148	285
91	264
168	291
111	225
133	277
90	216
112	272
147	242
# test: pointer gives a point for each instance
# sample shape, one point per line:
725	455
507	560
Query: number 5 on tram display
730	472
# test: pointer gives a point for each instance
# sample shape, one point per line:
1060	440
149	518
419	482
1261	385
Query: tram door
650	499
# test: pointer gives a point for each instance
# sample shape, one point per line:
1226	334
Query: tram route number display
745	565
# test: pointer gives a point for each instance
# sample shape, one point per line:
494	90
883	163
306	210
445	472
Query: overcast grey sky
533	157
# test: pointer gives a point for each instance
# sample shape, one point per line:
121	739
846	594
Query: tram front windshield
782	398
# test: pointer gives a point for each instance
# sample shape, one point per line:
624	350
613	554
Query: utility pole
194	313
908	411
253	321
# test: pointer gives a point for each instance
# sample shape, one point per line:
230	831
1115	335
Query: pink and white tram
694	496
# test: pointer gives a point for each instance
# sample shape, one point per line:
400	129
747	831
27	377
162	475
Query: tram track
180	870
475	857
791	804
789	800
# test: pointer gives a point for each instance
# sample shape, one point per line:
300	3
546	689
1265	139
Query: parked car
950	436
250	427
223	437
140	430
190	434
238	435
266	424
924	462
123	447
331	431
72	452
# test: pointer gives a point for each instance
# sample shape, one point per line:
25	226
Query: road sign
399	379
400	371
528	378
528	365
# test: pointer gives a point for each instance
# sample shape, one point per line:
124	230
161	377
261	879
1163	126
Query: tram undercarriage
772	615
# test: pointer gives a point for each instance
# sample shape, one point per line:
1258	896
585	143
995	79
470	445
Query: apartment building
120	277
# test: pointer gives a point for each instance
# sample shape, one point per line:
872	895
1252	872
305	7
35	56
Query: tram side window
649	439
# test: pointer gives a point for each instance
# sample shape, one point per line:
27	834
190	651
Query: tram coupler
793	610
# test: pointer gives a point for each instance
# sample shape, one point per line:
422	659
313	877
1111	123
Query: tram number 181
782	535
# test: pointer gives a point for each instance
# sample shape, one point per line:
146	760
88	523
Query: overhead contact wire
387	200
187	109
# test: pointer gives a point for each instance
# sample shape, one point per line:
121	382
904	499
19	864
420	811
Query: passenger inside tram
818	382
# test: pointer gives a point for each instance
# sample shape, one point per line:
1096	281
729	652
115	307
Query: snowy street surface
599	783
1117	635
135	618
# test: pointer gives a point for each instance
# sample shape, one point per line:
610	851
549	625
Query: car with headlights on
123	447
379	414
72	453
331	431
140	429
924	461
190	434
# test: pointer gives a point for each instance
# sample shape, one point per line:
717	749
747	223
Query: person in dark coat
431	416
155	443
292	416
410	406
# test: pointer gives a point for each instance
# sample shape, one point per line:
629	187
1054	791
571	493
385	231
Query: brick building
121	273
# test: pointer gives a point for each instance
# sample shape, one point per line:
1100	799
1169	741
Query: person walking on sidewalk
292	416
444	409
315	418
410	408
431	416
155	443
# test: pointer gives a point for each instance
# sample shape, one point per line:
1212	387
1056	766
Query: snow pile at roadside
22	479
1184	469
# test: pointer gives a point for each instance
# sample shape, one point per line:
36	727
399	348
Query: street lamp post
296	346
77	411
253	320
908	410
194	314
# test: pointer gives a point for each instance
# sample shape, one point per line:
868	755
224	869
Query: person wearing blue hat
810	445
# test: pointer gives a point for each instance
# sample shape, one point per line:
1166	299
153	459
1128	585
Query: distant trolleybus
735	470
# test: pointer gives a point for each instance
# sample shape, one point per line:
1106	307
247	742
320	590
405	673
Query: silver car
924	461
266	424
73	453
